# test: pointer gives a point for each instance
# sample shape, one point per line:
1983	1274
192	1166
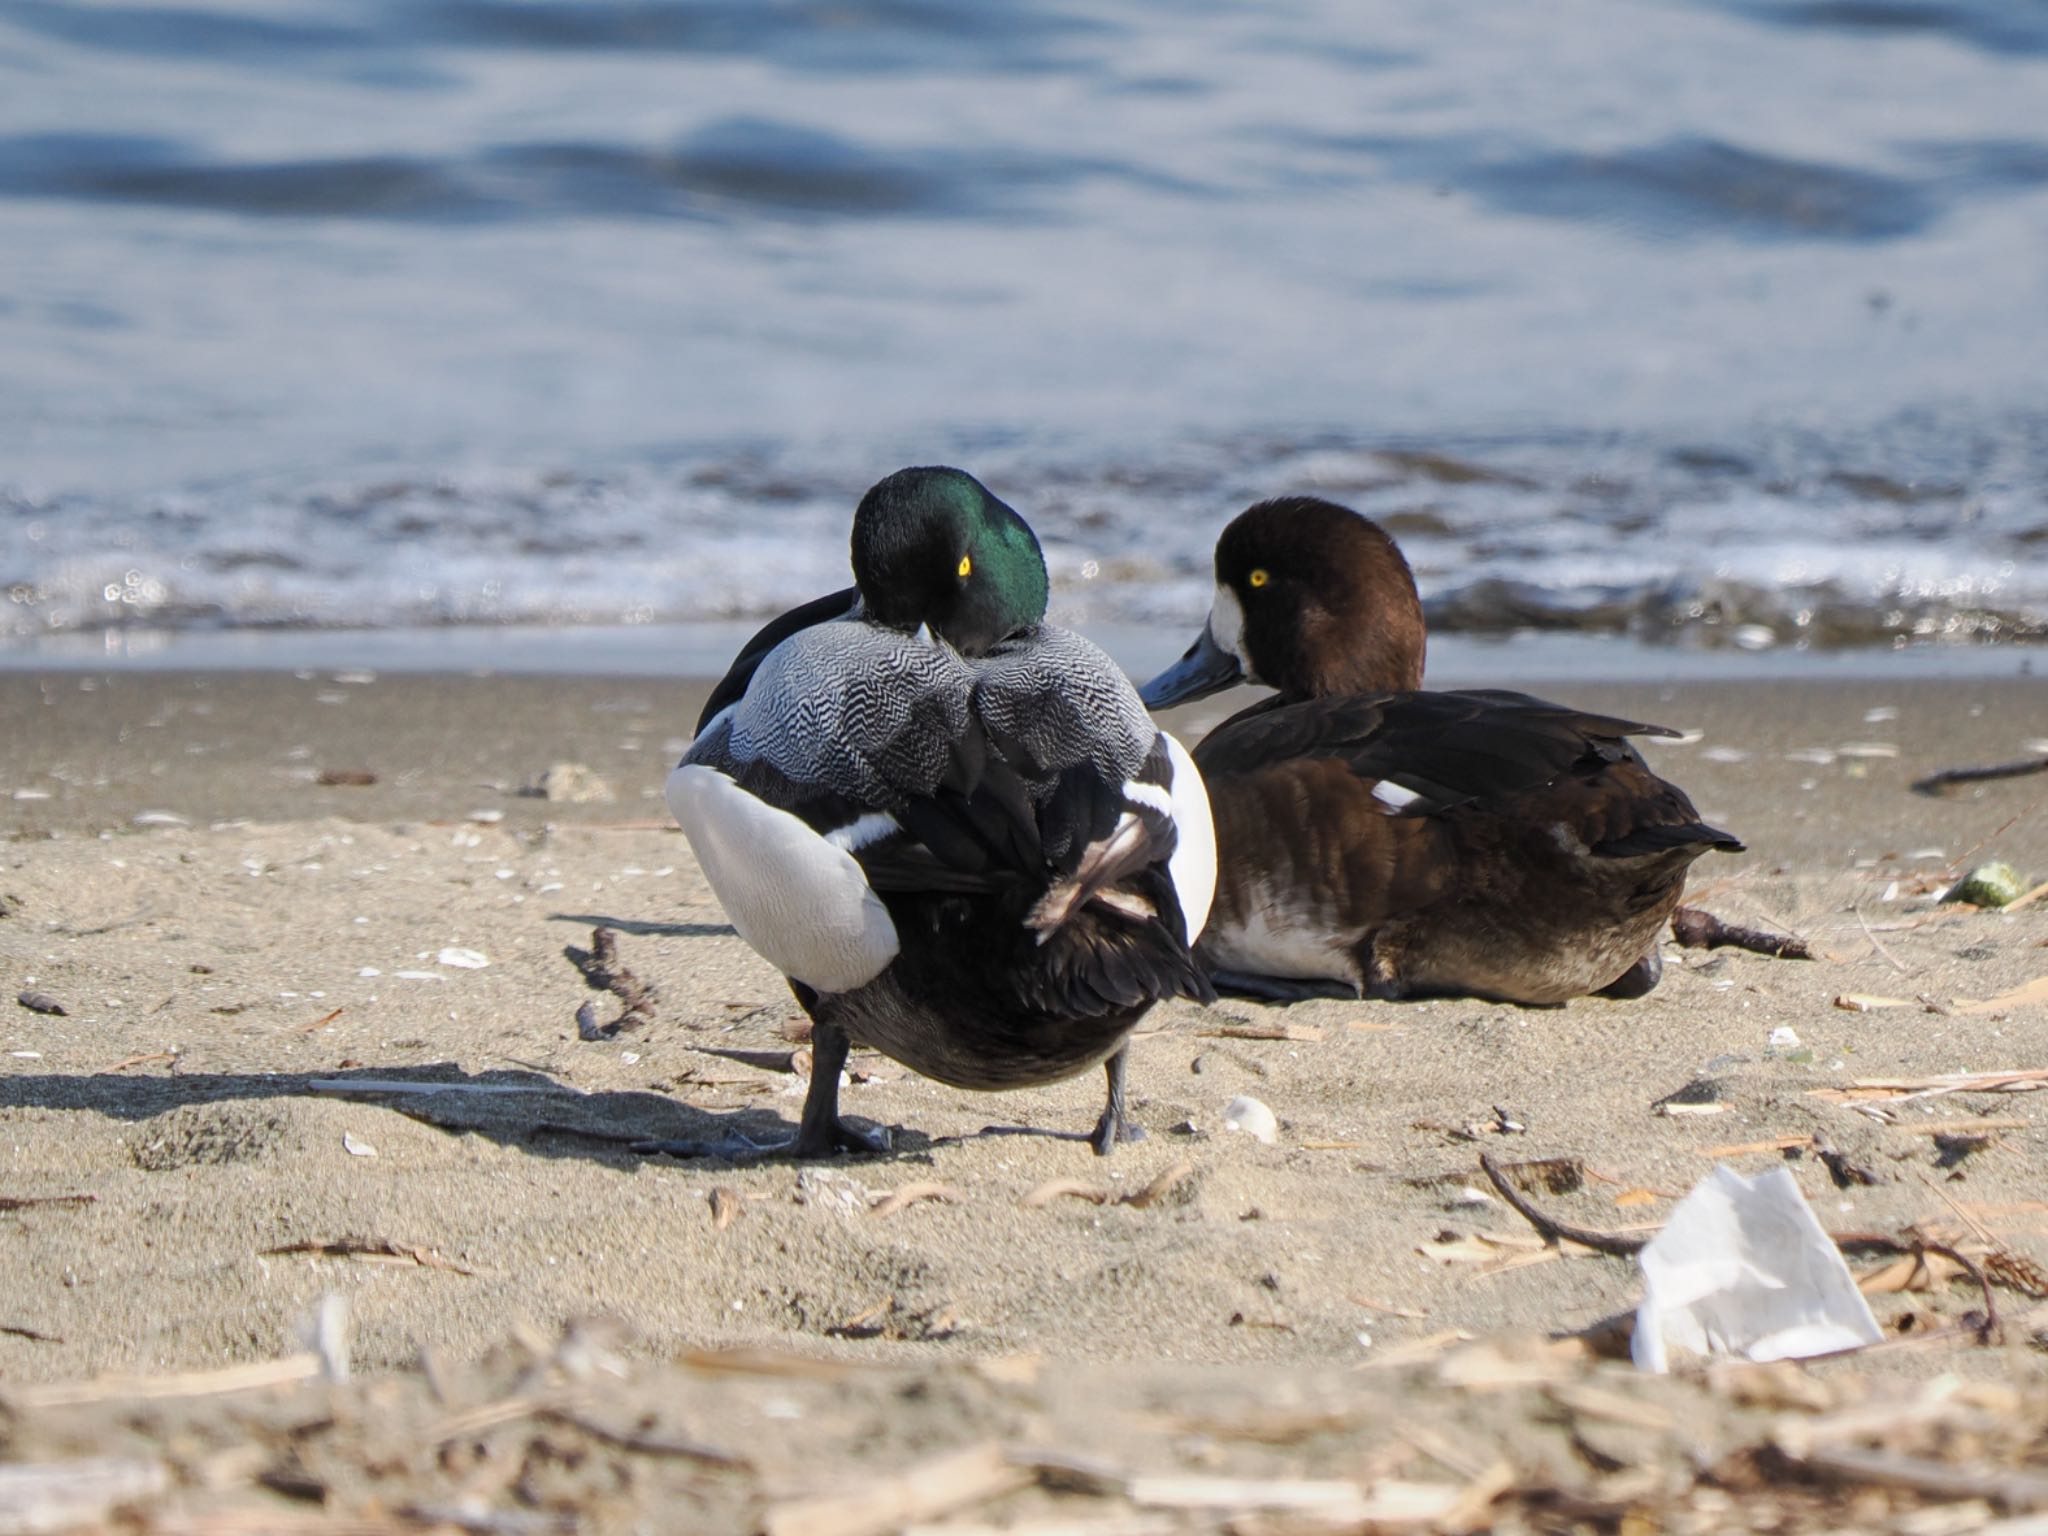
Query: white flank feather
1192	868
800	900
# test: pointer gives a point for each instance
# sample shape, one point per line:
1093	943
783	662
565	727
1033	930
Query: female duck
1378	840
952	826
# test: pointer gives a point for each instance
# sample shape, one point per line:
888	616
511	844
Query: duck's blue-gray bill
1207	668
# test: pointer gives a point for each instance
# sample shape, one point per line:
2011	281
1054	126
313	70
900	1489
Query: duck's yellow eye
1259	578
966	566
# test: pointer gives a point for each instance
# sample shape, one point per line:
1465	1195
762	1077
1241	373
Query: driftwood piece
604	972
1621	1244
1695	929
931	1488
1935	783
259	1374
63	1495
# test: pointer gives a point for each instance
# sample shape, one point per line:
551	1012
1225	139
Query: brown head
1312	600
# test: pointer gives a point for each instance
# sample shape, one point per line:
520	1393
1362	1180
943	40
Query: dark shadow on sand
640	928
526	1110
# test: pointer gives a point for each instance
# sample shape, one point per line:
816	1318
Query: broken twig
1620	1244
603	971
1935	783
1695	929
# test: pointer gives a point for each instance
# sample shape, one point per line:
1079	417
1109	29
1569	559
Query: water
1716	320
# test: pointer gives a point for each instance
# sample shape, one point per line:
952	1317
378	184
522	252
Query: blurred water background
1715	321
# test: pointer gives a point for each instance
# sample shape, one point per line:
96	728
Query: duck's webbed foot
1639	980
1115	1125
1279	989
822	1132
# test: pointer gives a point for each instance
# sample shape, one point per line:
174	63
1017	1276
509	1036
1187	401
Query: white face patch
1226	627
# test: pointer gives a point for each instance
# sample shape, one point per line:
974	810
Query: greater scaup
1376	839
951	825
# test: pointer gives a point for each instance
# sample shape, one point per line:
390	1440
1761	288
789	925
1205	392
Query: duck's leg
1639	980
1115	1125
821	1132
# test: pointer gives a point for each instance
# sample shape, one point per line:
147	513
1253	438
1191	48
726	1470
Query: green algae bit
1988	885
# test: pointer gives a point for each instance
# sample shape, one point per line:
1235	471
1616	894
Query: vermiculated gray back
851	708
1061	700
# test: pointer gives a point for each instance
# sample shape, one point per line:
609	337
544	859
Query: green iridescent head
933	546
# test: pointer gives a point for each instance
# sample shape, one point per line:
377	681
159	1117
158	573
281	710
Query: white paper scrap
1743	1268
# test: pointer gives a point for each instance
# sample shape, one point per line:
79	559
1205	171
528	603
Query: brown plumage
1374	838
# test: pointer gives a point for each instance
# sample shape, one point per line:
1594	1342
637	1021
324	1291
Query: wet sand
224	932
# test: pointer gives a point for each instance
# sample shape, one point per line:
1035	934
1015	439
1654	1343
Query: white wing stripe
857	834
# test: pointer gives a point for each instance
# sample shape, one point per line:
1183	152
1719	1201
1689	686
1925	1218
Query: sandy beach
241	951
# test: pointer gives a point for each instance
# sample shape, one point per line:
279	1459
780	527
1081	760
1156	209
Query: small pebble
574	784
356	1148
1988	885
1784	1036
1248	1115
463	959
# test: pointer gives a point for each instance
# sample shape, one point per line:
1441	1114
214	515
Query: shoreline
703	649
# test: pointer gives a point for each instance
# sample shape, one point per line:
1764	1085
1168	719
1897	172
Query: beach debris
1168	1182
29	1202
1784	1038
1246	1114
1621	1244
254	1376
160	819
326	1334
725	1207
1173	1180
1841	1171
356	1147
888	1203
828	1190
370	1249
67	1495
9	905
1858	1002
1996	884
1304	1032
462	959
2035	991
1701	1096
1953	1148
1900	1090
1935	783
42	1002
34	1336
345	778
1697	929
571	784
922	1492
1066	1189
1743	1267
603	971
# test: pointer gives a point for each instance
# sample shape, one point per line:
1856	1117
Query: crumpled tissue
1743	1268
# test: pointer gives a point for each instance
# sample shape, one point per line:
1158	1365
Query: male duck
951	825
1378	840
